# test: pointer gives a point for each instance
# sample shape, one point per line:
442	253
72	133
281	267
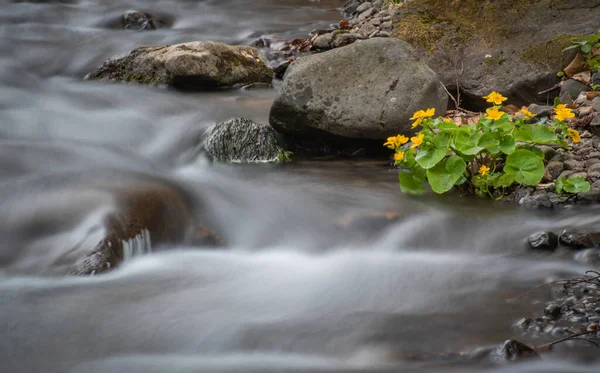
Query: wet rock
553	171
241	140
536	201
547	241
591	196
138	20
576	239
553	310
371	98
196	65
509	351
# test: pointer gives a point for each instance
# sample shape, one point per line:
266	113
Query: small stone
590	162
536	201
553	171
344	39
576	239
572	88
524	323
566	174
573	165
386	25
323	42
366	14
541	110
364	6
595	167
553	310
582	175
595	125
547	241
383	34
549	152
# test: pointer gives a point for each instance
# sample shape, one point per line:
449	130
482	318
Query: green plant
590	48
572	186
488	156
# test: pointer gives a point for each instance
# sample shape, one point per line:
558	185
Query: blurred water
304	284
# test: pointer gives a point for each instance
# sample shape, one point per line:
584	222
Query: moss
140	78
549	53
429	23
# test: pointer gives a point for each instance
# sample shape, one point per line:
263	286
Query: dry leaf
592	95
575	66
584	77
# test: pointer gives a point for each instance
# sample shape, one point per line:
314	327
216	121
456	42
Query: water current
303	285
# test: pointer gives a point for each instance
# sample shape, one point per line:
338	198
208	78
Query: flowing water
301	287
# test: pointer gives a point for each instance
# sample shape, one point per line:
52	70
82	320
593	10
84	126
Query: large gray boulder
367	90
194	65
241	140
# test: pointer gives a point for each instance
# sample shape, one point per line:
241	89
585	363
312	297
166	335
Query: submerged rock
196	65
509	351
367	90
579	240
243	141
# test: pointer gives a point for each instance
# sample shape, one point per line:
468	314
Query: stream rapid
300	286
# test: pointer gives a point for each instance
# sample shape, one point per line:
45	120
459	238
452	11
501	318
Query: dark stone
553	310
572	88
536	201
591	196
547	241
595	125
595	79
553	171
509	351
281	68
549	152
243	141
576	239
541	110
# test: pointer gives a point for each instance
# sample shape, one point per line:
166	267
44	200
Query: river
299	288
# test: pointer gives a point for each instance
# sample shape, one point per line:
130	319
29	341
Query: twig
573	337
556	86
452	97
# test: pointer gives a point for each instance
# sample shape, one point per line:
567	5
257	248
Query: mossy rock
196	65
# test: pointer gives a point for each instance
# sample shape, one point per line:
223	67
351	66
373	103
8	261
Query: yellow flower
416	140
528	114
562	114
395	141
560	107
420	115
448	120
483	170
399	156
495	98
574	135
494	113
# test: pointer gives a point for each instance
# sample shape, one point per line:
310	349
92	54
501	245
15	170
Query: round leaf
576	185
411	184
430	156
525	166
467	142
536	133
446	174
507	144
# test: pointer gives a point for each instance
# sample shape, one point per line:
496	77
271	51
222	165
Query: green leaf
536	133
504	181
431	155
507	144
467	142
526	167
411	184
577	185
448	127
534	150
559	184
488	141
446	174
502	125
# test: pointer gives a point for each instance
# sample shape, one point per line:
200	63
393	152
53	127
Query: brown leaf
344	24
510	109
584	77
575	66
592	95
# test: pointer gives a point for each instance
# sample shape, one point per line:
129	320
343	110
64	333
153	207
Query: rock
342	39
242	141
546	241
195	65
571	88
351	7
573	165
366	14
280	68
595	125
138	20
452	40
536	201
582	175
553	310
576	239
549	152
553	171
364	6
509	351
541	110
371	98
323	42
591	196
595	167
590	162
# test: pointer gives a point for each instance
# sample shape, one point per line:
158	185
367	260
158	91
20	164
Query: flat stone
577	239
591	196
582	175
364	6
573	165
595	167
595	125
541	110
